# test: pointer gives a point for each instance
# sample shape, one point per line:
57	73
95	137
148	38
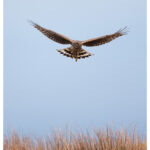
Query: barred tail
84	54
66	51
69	53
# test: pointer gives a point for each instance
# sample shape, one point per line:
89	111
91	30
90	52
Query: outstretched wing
104	39
53	35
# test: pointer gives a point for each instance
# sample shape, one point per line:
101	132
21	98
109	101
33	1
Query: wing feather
52	35
104	39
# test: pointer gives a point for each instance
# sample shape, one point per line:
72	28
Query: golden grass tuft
99	139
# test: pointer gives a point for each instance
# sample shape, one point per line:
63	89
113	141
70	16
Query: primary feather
104	39
53	35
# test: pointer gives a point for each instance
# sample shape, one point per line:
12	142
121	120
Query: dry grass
101	139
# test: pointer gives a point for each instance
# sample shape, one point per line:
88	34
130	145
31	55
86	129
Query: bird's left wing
52	35
104	39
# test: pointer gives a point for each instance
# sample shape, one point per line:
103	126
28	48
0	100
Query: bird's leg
72	54
76	59
77	54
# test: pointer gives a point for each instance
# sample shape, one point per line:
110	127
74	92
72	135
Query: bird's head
76	44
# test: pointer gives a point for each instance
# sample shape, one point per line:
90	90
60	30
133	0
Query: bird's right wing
52	35
104	39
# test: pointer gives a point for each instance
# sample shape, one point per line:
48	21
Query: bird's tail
66	51
69	53
84	54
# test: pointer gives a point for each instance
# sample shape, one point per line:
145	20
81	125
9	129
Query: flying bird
75	50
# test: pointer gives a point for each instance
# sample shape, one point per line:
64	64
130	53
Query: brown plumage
76	51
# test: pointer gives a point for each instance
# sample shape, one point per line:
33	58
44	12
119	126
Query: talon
72	56
76	58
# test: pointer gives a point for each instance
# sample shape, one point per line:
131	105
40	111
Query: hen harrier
76	51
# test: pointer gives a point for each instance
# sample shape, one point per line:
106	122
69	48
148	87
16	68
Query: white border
148	75
1	74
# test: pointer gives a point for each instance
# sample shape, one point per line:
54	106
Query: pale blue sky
43	89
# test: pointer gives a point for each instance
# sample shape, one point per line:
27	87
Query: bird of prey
75	50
